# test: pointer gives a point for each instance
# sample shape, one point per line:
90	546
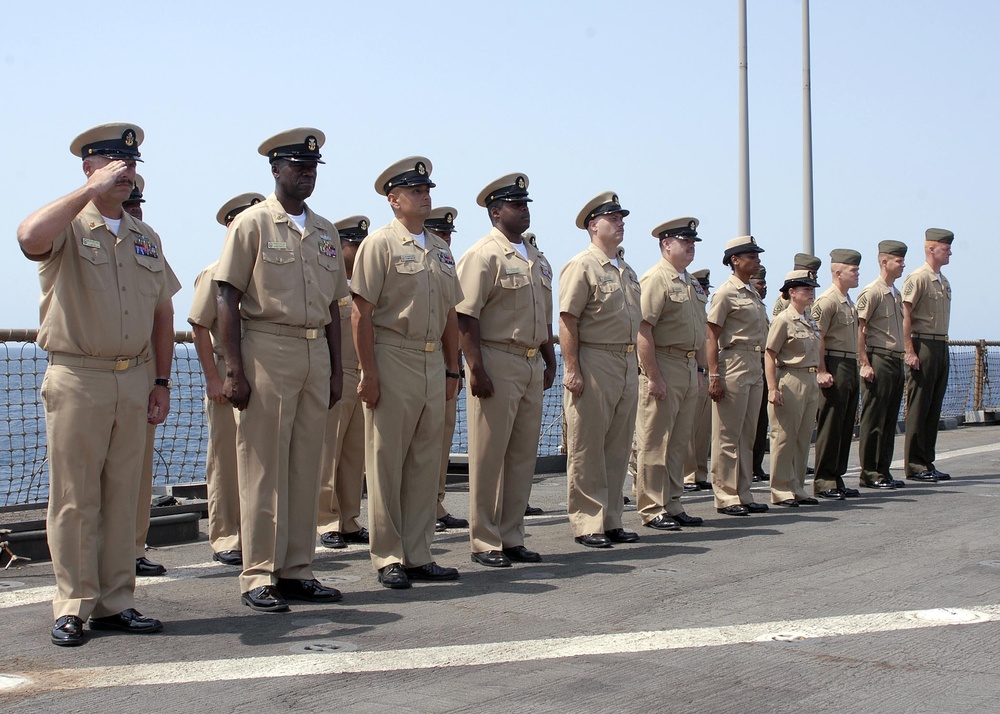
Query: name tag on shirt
277	245
408	258
513	271
91	243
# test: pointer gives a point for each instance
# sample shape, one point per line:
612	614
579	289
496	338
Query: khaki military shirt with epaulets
412	288
99	291
837	319
205	306
674	304
287	277
738	310
602	296
510	296
880	307
929	295
794	339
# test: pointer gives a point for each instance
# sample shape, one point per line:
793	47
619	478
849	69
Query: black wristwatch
162	382
452	375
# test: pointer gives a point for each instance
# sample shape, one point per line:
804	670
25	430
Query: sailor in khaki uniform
133	204
441	223
406	334
280	277
880	355
220	461
926	313
671	344
599	316
791	362
342	466
105	312
737	330
505	322
837	319
696	462
760	442
802	261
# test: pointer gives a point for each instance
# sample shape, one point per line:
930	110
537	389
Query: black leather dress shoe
850	492
433	572
788	502
332	539
807	501
926	476
897	483
393	576
145	567
882	484
941	475
810	470
520	554
68	631
762	476
594	540
228	557
491	559
360	537
308	590
265	598
663	522
683	519
533	510
691	487
451	521
756	507
832	494
735	510
439	527
620	535
703	485
130	621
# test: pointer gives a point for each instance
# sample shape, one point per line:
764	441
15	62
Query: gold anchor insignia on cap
448	217
363	225
311	143
812	274
254	201
421	169
692	225
752	241
520	181
129	137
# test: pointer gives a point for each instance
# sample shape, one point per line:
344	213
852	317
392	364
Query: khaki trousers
144	502
95	426
450	416
503	446
221	473
343	462
838	410
791	430
734	427
279	440
600	424
696	462
403	455
925	388
880	402
663	435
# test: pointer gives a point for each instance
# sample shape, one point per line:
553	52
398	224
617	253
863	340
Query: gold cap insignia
614	198
691	225
520	181
311	143
363	225
752	241
421	169
129	137
254	201
448	217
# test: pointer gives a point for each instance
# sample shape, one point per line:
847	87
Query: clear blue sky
581	96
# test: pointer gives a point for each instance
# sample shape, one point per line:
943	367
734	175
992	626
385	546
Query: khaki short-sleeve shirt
879	306
794	339
204	305
412	288
837	319
604	298
286	277
348	353
929	294
740	313
674	304
510	296
99	291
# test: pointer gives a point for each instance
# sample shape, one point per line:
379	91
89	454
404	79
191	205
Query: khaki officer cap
939	235
760	274
115	141
892	247
235	206
702	277
442	219
798	278
300	144
805	261
137	188
739	246
599	205
353	229
845	256
512	187
411	171
678	228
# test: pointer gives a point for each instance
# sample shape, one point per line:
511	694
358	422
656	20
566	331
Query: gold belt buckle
630	350
756	348
532	351
813	369
121	364
429	346
690	353
312	333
